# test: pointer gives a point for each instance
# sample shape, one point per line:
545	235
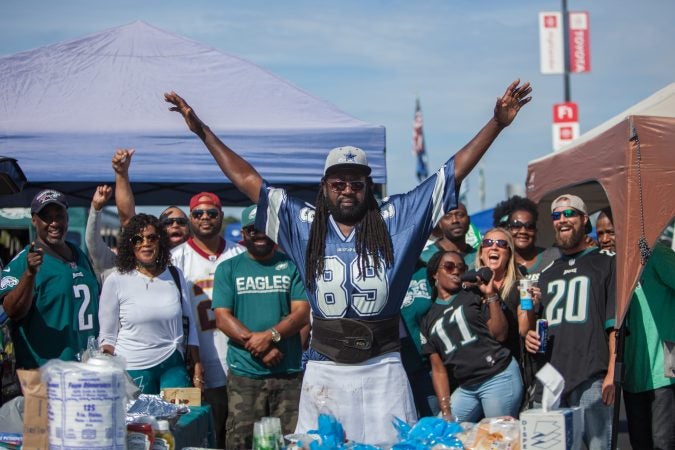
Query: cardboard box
187	396
559	429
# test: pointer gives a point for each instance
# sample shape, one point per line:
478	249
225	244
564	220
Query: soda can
525	298
542	331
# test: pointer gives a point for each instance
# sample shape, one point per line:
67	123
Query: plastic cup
525	298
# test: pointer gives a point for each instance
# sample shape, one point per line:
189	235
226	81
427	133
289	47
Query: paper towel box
559	429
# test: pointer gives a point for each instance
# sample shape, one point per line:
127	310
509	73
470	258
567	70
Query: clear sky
371	58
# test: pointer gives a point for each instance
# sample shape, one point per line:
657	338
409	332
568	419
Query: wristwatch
276	336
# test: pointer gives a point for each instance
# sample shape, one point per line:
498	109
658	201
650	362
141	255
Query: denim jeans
497	396
597	416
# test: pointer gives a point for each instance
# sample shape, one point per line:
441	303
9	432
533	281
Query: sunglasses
500	243
138	240
517	225
555	215
168	221
450	266
198	213
339	186
250	230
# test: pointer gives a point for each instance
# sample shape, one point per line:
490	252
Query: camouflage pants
249	399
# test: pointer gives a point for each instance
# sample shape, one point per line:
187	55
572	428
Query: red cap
205	197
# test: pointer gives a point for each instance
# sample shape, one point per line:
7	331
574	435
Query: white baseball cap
347	158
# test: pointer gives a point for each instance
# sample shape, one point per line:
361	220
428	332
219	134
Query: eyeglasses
500	243
339	186
198	213
168	221
517	225
138	240
555	215
450	266
250	230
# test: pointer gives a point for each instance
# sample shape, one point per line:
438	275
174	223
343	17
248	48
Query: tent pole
618	382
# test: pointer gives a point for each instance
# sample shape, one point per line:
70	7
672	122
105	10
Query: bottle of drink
140	436
164	439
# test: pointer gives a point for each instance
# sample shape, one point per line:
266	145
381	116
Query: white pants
364	397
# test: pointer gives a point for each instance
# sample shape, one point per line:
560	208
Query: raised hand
34	258
101	197
179	105
122	160
508	105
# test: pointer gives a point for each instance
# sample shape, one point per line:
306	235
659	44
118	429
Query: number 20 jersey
341	291
578	300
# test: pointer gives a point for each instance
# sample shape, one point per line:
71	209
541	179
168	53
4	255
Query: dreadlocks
372	239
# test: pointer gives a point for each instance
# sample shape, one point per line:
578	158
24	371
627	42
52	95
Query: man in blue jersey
356	257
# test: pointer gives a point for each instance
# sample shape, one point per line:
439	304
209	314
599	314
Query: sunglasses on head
138	239
517	225
168	221
555	215
339	185
198	213
450	266
500	243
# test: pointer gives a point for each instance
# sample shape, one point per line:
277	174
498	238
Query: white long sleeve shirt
141	317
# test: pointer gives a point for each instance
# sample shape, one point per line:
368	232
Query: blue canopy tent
64	108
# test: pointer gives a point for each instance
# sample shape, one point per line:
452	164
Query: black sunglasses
517	225
168	221
250	230
339	186
138	239
198	213
500	243
555	215
449	266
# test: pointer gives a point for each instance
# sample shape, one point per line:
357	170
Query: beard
570	242
259	251
348	215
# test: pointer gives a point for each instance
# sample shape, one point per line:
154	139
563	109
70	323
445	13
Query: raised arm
236	168
124	196
102	257
506	109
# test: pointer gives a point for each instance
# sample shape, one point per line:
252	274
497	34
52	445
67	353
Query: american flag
418	148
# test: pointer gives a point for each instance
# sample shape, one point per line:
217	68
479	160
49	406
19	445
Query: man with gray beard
578	299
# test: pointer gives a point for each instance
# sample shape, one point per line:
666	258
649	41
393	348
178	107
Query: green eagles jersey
259	294
64	313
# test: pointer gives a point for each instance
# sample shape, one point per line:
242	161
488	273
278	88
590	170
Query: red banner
579	42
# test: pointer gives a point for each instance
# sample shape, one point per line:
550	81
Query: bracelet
444	401
492	299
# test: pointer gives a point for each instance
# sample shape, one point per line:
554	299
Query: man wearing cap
198	258
578	300
49	290
260	304
356	258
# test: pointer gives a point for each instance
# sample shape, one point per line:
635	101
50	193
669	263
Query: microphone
484	273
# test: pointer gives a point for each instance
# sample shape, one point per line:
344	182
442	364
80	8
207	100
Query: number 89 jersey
64	312
578	300
342	291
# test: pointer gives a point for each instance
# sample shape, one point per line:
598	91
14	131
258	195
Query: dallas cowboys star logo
350	157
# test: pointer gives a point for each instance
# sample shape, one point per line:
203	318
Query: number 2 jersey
457	330
578	300
64	313
342	291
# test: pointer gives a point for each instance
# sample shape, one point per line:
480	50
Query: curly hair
371	239
126	260
502	212
432	268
